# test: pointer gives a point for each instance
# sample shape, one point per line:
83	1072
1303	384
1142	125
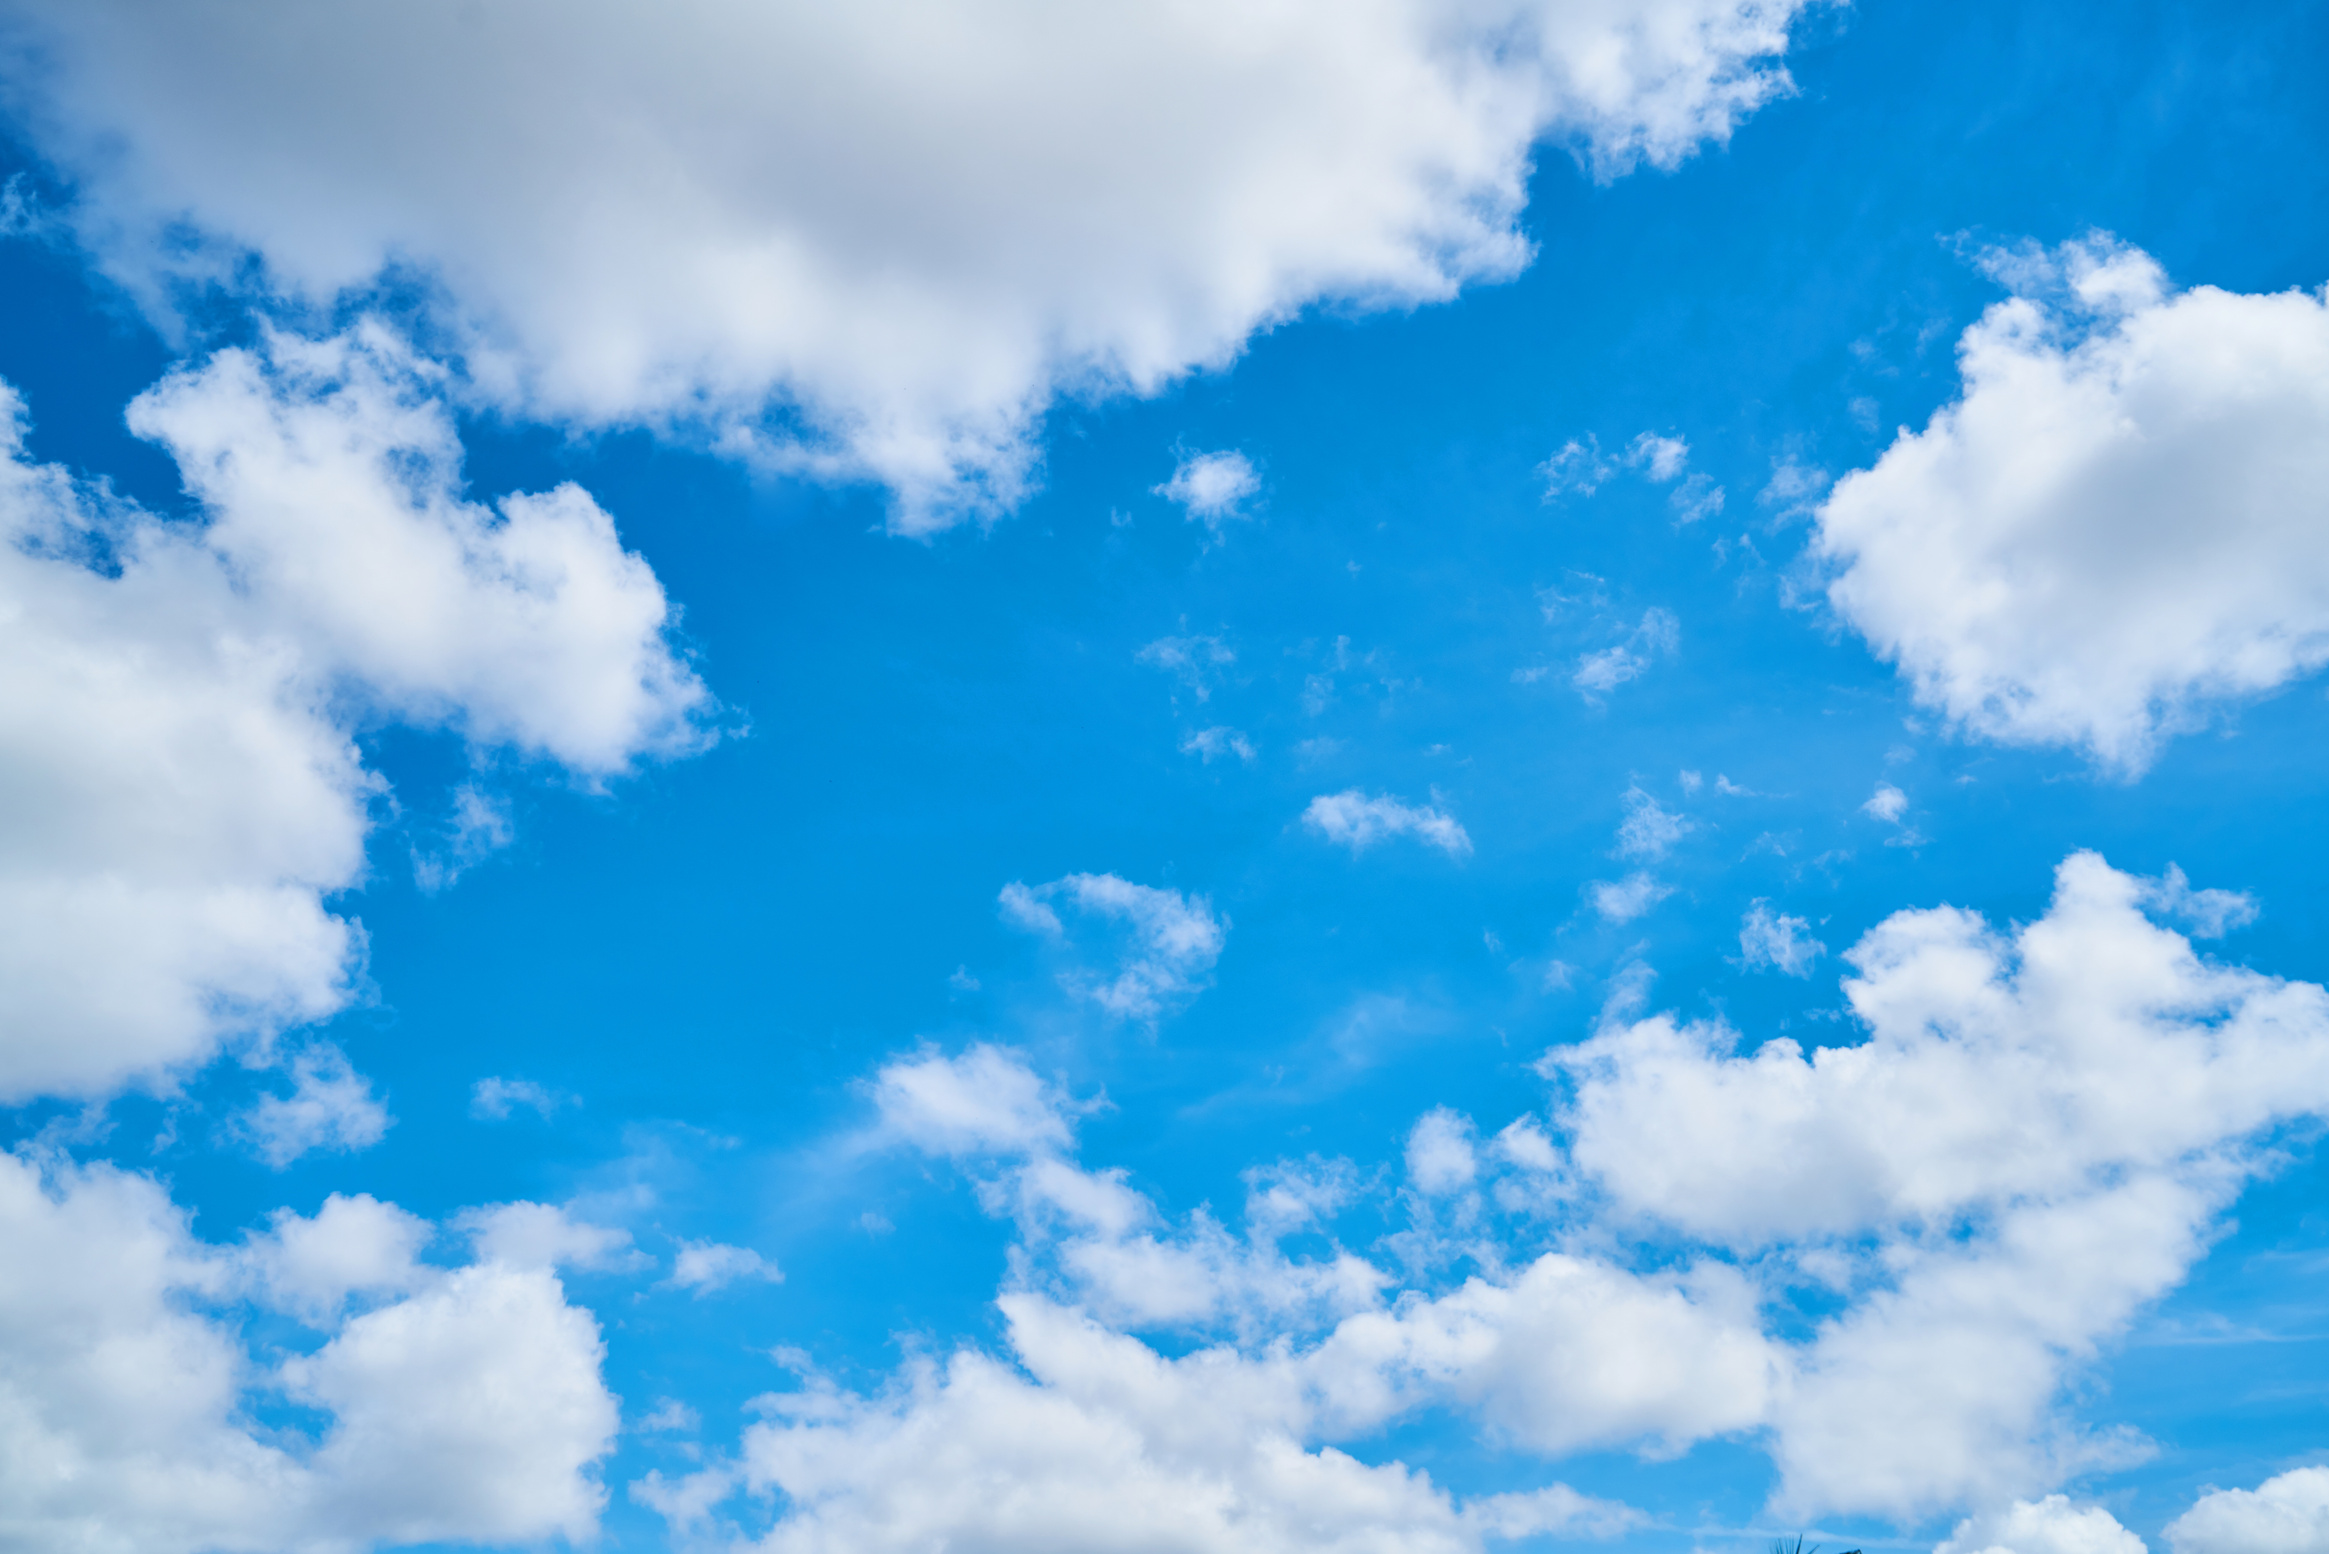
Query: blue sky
1405	778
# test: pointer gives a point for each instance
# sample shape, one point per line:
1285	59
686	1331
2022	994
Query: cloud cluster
183	790
2037	1137
871	242
2116	525
461	1404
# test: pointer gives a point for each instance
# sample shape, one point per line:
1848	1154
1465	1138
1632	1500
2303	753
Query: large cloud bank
902	227
2036	1137
183	791
2119	521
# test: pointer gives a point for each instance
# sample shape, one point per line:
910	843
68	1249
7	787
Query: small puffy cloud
1358	821
1621	901
1163	944
2288	1514
330	1106
606	211
1212	488
1649	831
1213	743
352	1246
543	1235
494	1098
704	1266
1440	1156
1887	804
1783	944
987	1101
2115	527
1658	636
1660	458
2049	1526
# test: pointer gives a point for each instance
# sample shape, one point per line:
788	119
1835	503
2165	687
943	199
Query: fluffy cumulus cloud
1359	820
2049	1526
182	787
2284	1515
458	1404
867	241
2117	524
1212	488
2037	1136
1158	946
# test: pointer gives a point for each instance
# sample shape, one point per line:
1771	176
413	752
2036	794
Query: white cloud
1658	636
1649	831
705	1266
352	1246
2040	1131
176	726
1201	1454
617	216
2115	527
1194	661
543	1235
1660	458
1440	1157
480	828
464	1405
330	1106
2287	1514
1778	941
1213	743
2040	1134
987	1101
1359	822
1165	943
1887	804
2049	1526
1621	901
2207	914
1212	488
493	1098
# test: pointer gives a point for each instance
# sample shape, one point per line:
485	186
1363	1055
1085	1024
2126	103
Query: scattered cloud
1196	662
1781	943
1658	636
985	1102
480	828
1213	743
2114	528
1887	804
1621	901
330	1106
1161	944
1359	821
494	1098
1649	831
705	1266
543	1235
